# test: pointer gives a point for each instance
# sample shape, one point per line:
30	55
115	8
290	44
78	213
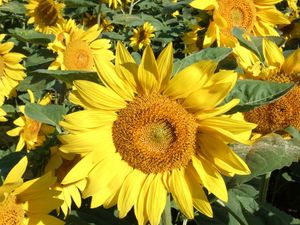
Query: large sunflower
142	36
145	134
44	14
11	71
24	203
258	17
285	111
76	50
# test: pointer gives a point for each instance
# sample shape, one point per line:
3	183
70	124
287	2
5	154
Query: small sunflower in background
44	14
257	17
142	36
116	3
3	1
285	111
78	48
146	134
27	202
61	31
60	164
32	133
193	39
90	20
11	70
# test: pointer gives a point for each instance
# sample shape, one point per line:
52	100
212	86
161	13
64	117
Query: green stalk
264	187
166	218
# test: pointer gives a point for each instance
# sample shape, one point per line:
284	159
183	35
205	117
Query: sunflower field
159	112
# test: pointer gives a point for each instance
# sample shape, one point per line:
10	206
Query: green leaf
238	33
48	114
254	93
13	7
8	162
31	36
127	20
67	76
216	54
78	3
267	154
36	83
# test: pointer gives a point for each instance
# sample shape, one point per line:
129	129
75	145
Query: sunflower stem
99	14
231	212
166	218
264	187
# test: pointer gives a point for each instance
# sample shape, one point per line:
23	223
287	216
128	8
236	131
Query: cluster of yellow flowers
143	132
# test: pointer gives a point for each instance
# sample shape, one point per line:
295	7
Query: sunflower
258	17
116	3
90	20
145	134
61	30
24	203
142	36
60	164
76	50
44	14
283	112
193	40
11	71
3	1
32	133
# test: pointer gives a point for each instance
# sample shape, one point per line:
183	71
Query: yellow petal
110	78
165	65
204	4
16	173
42	219
156	199
98	96
181	193
227	127
200	200
272	16
129	191
189	79
272	53
210	35
148	78
126	66
210	178
292	63
221	155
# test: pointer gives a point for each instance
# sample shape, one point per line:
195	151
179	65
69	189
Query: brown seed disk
155	134
46	13
11	213
240	13
277	115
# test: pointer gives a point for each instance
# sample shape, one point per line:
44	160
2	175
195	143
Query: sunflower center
239	13
31	130
46	13
78	56
11	213
155	134
2	66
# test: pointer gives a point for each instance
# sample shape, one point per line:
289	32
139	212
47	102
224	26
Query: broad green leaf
113	36
67	76
254	93
267	154
36	83
239	34
127	20
216	54
78	3
31	36
154	22
13	7
48	114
